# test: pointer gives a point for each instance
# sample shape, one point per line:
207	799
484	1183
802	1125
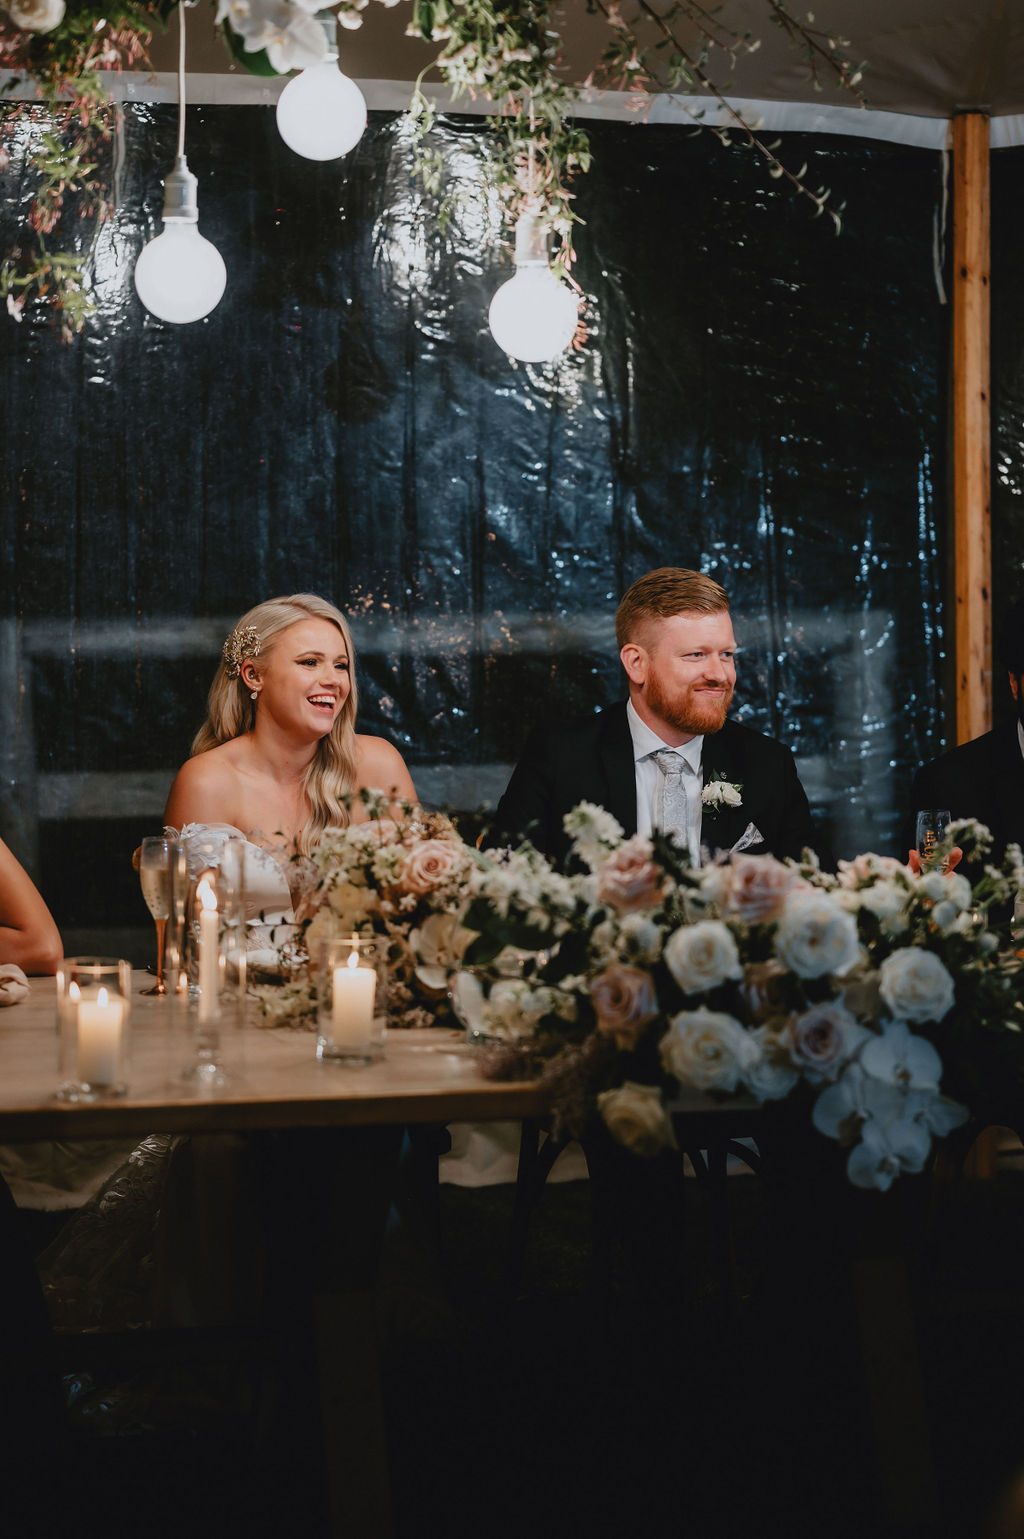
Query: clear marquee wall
757	398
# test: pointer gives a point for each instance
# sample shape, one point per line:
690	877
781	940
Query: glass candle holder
93	1013
217	964
351	1000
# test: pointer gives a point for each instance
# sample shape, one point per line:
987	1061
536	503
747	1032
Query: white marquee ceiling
928	58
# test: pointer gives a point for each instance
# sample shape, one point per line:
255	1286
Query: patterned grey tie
675	801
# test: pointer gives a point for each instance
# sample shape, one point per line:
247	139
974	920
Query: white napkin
750	836
13	984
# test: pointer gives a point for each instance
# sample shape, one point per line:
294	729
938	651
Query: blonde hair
331	773
667	591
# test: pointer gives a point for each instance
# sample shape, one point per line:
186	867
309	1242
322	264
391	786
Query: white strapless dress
274	883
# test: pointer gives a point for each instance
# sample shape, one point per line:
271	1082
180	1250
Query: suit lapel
722	759
615	752
1008	783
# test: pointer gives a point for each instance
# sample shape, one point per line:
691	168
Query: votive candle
100	1025
353	989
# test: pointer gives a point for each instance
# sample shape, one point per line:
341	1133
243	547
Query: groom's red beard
693	711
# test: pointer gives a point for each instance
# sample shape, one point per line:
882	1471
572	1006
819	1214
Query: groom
667	757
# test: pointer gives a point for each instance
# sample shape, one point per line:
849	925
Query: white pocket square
750	836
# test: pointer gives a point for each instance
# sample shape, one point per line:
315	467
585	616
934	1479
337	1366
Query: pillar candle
353	991
100	1024
209	954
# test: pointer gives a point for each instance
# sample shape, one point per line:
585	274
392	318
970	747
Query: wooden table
338	1132
274	1081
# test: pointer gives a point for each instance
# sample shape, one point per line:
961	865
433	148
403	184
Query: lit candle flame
206	894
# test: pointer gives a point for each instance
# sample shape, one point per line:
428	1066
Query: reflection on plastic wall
757	398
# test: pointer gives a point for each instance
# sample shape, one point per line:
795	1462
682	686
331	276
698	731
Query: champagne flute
155	867
932	823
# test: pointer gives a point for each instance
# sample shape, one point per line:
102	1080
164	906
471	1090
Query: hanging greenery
508	52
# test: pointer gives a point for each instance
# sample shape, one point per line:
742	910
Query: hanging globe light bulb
533	317
321	113
180	276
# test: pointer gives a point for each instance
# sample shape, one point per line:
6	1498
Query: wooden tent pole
972	487
972	545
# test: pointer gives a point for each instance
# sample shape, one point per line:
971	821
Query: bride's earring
254	694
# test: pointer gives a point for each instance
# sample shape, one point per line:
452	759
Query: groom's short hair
670	590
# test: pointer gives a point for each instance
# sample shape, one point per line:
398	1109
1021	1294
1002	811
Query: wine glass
156	863
932	824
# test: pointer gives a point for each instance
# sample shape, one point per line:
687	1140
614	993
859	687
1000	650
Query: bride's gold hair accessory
241	647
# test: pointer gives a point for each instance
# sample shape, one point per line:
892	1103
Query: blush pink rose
630	879
624	1002
823	1039
759	887
427	865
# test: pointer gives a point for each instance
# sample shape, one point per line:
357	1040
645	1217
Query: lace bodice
273	881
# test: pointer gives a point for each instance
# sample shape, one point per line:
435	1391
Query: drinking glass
156	866
93	1010
932	824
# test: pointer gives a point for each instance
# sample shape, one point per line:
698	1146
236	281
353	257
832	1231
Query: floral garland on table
407	883
508	51
637	975
757	976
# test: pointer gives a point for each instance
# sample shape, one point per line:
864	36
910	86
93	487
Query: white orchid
886	1150
900	1059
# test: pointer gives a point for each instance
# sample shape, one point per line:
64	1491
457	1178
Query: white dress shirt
650	781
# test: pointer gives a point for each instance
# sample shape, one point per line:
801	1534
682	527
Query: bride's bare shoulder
205	789
380	766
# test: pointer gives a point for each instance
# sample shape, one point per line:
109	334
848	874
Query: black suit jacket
983	779
591	759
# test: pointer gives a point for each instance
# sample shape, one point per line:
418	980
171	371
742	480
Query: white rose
636	1118
815	936
35	15
888	902
771	1075
350	903
707	1050
915	985
702	956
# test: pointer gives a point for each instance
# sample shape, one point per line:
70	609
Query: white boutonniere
721	793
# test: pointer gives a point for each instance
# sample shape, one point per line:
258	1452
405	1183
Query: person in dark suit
655	760
984	778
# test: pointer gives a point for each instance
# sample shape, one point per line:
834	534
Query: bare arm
28	935
380	767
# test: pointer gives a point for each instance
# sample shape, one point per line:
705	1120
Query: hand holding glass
932	825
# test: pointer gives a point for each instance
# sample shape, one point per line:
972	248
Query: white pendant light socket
180	276
321	113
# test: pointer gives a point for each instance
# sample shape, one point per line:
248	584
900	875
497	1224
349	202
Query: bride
277	761
278	758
